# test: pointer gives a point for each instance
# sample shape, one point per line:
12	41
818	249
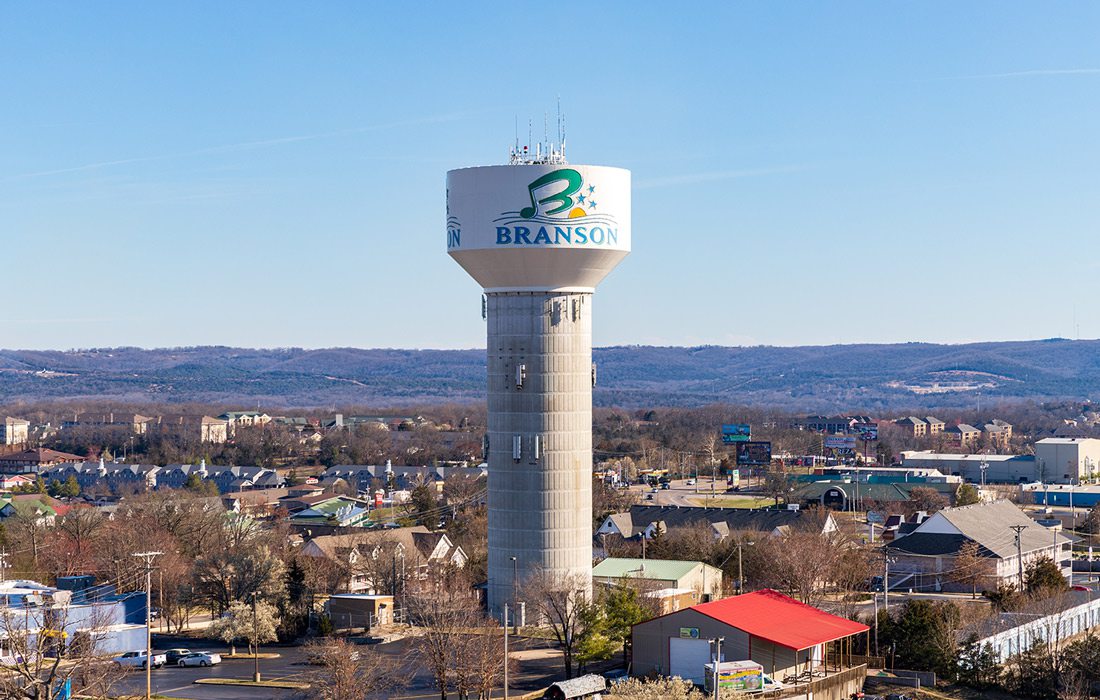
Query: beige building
16	431
1069	460
668	575
913	425
935	425
963	435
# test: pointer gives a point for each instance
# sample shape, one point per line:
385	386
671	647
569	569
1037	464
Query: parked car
174	655
666	486
316	657
691	482
649	497
200	658
138	659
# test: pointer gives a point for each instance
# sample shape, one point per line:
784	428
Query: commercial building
1068	459
993	469
781	634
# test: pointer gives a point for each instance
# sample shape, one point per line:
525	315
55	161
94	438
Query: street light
515	597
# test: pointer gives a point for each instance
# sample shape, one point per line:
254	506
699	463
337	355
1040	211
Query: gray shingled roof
988	524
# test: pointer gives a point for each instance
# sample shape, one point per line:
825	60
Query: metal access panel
687	657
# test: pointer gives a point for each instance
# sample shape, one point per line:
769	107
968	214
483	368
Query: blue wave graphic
513	217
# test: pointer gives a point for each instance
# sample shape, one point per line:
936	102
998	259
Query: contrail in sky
243	146
1030	73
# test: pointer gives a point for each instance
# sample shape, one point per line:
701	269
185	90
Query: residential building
34	461
202	428
117	477
779	633
644	521
935	425
924	559
228	478
16	431
993	468
997	432
1068	459
326	514
39	507
701	582
373	558
132	422
912	425
963	435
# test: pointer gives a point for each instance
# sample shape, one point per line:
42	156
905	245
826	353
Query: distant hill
824	378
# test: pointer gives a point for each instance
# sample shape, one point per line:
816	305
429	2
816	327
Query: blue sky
272	174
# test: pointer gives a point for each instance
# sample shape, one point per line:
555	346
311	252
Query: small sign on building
689	633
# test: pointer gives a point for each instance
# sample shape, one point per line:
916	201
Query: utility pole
885	580
3	563
506	651
148	557
256	647
717	664
1019	552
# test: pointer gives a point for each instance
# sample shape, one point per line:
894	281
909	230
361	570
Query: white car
200	658
137	659
690	482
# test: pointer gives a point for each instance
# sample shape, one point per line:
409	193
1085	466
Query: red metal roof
770	615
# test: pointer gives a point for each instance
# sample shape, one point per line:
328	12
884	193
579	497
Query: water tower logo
558	197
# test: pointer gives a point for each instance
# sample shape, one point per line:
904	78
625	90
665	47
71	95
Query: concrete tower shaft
540	437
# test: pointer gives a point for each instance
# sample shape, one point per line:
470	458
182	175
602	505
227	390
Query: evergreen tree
71	488
978	665
1044	576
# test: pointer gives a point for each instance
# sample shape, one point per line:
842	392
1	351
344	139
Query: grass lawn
725	501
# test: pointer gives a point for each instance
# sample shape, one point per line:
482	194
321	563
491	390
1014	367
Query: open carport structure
794	642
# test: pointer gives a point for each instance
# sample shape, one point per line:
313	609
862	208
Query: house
779	633
325	513
39	507
680	580
1067	459
924	559
643	521
9	482
374	557
913	426
963	435
34	461
16	431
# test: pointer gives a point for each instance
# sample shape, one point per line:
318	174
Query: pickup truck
137	659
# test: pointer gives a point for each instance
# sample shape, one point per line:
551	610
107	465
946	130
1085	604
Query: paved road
538	667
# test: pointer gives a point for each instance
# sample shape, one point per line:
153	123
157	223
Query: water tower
538	235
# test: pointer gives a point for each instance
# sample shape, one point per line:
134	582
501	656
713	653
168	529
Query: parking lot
538	667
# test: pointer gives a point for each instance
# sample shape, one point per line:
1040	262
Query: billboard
868	432
840	442
754	453
736	432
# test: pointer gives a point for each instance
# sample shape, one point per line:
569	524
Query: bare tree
560	602
441	618
970	568
344	673
47	646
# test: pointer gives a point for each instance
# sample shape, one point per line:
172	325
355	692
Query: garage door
686	658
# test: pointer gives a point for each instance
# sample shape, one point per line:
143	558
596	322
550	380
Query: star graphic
591	204
580	198
591	189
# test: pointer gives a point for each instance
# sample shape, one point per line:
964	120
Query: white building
1068	460
29	609
16	431
1013	469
